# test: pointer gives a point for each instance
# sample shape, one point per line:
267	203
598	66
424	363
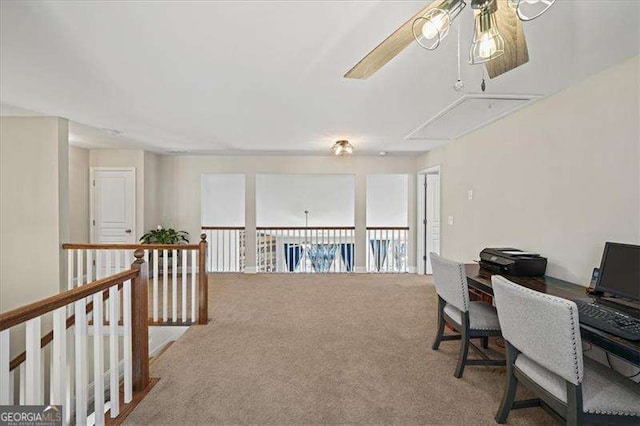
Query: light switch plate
470	194
450	220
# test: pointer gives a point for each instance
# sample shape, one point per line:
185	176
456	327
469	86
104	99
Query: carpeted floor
311	349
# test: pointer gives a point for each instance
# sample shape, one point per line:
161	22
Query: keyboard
609	320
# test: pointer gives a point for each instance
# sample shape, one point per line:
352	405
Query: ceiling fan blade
388	49
515	45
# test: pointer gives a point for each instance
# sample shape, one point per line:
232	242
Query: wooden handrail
223	228
48	338
387	228
41	307
302	228
68	246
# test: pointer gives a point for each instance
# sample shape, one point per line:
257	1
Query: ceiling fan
498	41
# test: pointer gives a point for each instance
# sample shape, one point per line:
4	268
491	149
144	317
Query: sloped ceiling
251	77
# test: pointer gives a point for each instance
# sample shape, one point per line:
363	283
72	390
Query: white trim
528	98
92	170
412	270
420	243
250	270
360	269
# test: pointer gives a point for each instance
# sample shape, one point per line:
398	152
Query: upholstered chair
544	352
470	319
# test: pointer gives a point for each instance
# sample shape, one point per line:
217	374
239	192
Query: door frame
421	213
92	185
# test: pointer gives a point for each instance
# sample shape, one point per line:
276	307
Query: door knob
128	231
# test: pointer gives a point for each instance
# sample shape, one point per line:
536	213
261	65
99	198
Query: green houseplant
161	235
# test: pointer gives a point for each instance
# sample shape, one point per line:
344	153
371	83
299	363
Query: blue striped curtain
346	252
379	252
293	254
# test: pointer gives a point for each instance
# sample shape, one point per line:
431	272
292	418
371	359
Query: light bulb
435	24
487	46
488	43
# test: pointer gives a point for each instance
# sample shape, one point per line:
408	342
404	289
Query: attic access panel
469	113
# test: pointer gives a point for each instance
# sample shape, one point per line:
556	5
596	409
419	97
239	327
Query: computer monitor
620	270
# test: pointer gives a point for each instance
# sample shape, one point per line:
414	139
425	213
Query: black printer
511	261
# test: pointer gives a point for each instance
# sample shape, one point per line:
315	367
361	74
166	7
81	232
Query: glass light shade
342	148
488	43
528	10
431	28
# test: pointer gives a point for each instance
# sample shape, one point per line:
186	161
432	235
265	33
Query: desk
480	280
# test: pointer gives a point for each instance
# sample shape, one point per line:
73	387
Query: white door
113	205
432	216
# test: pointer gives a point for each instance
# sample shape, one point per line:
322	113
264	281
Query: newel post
140	323
203	282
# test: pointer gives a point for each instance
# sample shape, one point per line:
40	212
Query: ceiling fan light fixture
342	148
488	43
528	10
431	28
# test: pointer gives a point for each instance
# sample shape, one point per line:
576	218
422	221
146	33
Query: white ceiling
247	77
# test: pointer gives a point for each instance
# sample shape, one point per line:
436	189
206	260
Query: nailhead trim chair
470	319
544	352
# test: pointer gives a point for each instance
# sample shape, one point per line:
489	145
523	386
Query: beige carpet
311	349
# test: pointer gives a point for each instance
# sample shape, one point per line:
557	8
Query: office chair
470	319
544	352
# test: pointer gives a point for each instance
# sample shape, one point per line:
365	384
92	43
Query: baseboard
412	270
250	270
360	270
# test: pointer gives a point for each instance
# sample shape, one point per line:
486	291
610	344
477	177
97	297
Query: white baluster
12	383
155	285
109	272
4	368
185	313
70	269
33	362
194	270
22	370
126	320
80	268
59	357
98	358
165	285
81	361
70	377
174	285
114	374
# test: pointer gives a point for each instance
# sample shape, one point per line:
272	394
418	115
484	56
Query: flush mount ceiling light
528	10
488	43
341	148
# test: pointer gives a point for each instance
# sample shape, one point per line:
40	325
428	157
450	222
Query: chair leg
485	342
440	332
464	351
510	388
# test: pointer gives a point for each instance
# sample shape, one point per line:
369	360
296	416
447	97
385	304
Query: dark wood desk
480	280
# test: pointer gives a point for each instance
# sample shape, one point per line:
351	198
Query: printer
511	261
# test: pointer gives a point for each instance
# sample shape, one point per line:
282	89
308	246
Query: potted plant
162	235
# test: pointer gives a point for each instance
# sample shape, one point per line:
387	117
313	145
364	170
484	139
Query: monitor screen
620	270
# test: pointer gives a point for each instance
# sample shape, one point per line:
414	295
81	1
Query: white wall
281	200
34	207
152	192
387	200
222	199
78	195
560	177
